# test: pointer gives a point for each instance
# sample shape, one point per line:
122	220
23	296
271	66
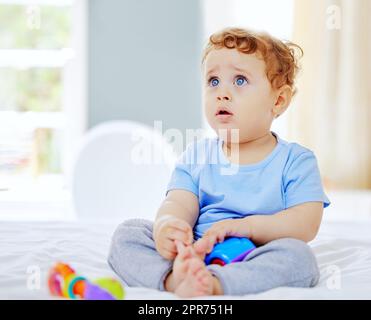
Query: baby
250	184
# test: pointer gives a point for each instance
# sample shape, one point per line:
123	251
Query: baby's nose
224	97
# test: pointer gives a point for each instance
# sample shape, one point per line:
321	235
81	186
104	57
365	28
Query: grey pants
283	262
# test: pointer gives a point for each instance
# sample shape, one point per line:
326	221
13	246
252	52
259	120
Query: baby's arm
181	204
301	222
175	220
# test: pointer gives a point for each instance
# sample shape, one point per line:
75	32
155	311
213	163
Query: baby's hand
167	231
221	229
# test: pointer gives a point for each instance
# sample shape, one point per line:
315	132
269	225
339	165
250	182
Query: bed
29	249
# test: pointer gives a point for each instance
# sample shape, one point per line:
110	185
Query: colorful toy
231	250
64	282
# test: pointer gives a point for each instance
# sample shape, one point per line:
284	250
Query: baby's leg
283	262
134	258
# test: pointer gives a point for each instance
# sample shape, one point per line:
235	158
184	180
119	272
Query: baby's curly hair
280	57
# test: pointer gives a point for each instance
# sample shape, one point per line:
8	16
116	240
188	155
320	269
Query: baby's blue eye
214	82
240	80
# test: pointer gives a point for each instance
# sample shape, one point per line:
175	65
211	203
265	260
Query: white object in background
121	172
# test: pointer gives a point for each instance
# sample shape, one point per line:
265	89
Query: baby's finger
201	246
210	232
220	238
180	224
211	240
182	236
179	246
169	245
220	235
169	255
184	252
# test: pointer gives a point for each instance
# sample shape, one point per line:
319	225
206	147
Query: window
42	98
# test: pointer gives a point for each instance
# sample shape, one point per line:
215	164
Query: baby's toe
205	277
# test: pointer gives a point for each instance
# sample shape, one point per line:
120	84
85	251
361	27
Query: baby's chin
228	133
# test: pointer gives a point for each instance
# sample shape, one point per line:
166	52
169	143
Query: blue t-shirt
288	176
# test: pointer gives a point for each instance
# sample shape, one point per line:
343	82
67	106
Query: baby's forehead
218	59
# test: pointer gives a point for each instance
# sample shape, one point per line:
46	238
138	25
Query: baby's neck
250	151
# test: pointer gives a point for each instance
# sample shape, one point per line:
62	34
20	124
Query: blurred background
69	65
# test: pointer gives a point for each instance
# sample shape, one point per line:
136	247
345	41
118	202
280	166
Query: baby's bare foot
197	282
181	263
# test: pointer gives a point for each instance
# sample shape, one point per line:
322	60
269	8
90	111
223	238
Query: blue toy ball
231	250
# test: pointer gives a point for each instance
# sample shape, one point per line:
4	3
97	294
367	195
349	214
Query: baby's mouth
224	115
224	112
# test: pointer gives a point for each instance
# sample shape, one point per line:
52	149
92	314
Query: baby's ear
283	99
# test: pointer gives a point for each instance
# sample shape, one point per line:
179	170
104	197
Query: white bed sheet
343	251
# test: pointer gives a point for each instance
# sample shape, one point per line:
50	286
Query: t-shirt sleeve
302	182
181	177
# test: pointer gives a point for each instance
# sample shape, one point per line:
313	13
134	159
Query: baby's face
237	82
